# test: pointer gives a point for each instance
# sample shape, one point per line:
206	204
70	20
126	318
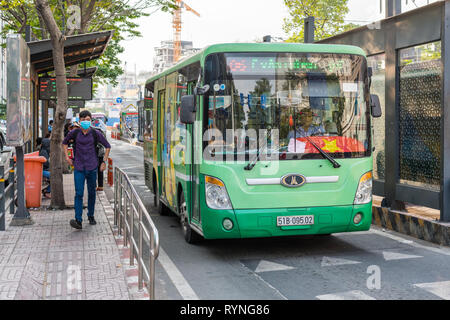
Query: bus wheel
155	198
189	235
161	207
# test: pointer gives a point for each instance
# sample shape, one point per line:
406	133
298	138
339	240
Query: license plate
295	221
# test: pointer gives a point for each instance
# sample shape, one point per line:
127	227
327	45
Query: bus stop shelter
77	50
410	57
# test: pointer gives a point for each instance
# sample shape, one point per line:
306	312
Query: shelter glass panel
378	64
411	5
420	115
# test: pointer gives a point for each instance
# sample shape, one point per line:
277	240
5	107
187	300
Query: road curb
402	222
131	272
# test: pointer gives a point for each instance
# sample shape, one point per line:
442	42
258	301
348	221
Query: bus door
196	143
168	141
160	118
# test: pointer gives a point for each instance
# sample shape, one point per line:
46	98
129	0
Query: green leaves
329	15
10	4
96	15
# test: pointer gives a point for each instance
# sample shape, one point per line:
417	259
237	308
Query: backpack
99	148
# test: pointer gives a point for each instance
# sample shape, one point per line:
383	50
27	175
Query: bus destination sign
78	88
267	64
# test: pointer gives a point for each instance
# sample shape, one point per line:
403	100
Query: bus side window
148	114
182	90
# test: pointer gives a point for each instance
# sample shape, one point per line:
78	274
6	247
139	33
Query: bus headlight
216	194
364	191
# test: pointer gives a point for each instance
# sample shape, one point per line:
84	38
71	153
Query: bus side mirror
375	106
187	112
200	91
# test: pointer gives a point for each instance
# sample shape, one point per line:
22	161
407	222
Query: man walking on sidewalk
85	162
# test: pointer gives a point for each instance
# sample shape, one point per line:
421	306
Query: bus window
148	115
182	89
298	96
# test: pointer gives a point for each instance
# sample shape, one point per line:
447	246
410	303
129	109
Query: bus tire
155	200
161	207
190	236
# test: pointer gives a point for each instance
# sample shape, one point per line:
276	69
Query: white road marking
328	261
265	282
348	295
137	182
128	168
176	276
440	289
389	255
265	266
440	250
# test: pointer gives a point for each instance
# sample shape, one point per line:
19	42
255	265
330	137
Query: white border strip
273	181
176	276
322	179
263	181
182	176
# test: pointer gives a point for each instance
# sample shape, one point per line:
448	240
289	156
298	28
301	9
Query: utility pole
309	30
393	7
2	63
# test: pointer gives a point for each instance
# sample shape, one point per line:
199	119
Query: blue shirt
86	157
312	130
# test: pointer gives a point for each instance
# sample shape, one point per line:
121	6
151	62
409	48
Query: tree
3	109
95	15
329	18
49	17
57	39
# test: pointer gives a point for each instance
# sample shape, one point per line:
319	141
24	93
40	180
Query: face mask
85	124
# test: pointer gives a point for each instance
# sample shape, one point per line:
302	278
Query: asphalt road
376	264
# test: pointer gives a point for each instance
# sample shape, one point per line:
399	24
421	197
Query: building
129	89
164	55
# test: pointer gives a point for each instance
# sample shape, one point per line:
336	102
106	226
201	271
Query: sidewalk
419	222
51	260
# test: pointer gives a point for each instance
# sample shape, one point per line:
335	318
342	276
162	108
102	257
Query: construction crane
177	28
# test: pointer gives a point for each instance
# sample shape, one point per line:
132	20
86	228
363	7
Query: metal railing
8	192
129	211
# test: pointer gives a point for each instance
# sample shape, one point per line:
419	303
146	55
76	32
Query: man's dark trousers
91	179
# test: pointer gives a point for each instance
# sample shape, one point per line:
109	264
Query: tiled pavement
51	260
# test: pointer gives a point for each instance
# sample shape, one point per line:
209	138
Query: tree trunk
59	118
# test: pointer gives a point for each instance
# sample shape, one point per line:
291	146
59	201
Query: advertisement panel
18	82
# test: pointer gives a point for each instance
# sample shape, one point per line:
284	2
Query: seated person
44	151
305	127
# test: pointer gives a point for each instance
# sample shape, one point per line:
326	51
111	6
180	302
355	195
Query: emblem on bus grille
293	180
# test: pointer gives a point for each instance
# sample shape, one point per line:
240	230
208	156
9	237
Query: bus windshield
295	100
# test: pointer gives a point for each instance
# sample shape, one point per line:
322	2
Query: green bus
262	140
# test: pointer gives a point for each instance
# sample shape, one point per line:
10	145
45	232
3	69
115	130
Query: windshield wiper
252	164
324	154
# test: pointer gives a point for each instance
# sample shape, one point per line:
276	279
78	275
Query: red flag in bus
328	144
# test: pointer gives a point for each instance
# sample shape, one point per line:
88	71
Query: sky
223	21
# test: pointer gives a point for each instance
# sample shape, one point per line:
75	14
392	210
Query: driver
305	127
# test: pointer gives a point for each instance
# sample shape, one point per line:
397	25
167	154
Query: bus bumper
255	223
